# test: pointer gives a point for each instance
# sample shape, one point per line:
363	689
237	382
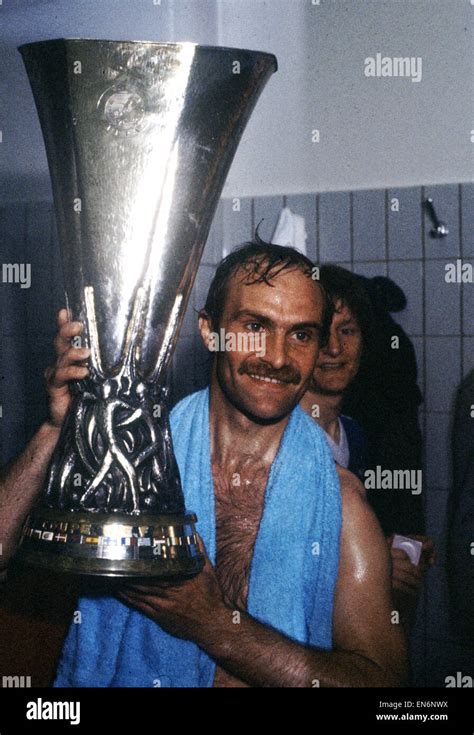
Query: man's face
338	362
288	313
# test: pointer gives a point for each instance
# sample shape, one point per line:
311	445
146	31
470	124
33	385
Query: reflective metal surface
139	138
118	545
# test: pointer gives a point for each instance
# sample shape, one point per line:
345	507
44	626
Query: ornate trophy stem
115	451
139	138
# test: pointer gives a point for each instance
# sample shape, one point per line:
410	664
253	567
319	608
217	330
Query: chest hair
239	494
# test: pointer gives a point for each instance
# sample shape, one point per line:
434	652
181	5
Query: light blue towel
292	576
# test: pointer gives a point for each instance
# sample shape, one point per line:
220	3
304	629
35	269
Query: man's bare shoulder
361	528
363	602
350	484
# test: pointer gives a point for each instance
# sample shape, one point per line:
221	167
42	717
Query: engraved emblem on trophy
142	139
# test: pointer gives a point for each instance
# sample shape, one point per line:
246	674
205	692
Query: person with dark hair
296	588
349	346
384	397
338	364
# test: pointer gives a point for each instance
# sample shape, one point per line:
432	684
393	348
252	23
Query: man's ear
205	328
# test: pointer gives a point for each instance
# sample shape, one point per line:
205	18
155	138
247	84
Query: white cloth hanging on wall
290	230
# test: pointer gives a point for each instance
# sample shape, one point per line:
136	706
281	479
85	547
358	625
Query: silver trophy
139	137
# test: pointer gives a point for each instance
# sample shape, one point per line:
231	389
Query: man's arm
406	578
21	482
19	487
369	649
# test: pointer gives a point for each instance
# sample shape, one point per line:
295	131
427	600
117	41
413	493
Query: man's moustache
286	375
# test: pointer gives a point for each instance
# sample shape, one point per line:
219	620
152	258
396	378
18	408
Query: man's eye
348	331
254	326
302	336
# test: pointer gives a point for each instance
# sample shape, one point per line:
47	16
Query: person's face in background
339	360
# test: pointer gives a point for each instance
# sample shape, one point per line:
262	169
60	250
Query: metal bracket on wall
439	228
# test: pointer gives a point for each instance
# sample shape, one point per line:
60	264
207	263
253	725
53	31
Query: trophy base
116	545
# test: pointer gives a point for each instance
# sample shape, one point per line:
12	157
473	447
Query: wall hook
439	228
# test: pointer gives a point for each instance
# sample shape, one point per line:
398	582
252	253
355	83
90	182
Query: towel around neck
292	576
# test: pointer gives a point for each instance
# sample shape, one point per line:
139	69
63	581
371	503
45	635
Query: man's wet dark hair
342	285
261	262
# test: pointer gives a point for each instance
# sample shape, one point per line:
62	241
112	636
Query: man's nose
276	351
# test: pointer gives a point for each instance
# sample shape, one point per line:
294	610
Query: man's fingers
399	554
73	355
406	581
66	332
154	590
404	571
137	602
410	575
67	368
63	375
401	563
71	329
153	599
62	317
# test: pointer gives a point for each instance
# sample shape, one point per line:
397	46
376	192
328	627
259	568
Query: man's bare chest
239	505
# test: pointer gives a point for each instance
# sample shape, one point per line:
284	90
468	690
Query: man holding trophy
251	401
288	582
